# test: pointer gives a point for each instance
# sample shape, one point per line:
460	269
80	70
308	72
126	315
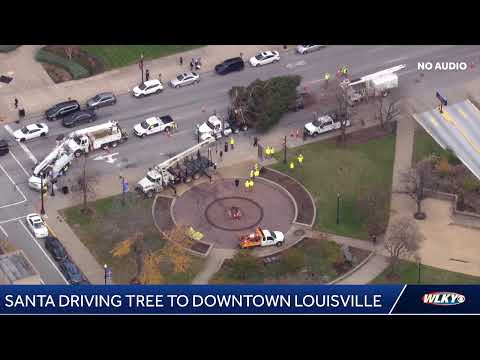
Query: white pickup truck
213	128
322	125
154	125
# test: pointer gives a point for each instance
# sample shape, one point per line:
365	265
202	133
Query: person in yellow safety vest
232	142
300	159
327	76
292	165
251	184
251	173
272	151
257	173
247	184
257	167
267	151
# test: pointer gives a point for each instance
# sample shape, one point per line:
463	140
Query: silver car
101	100
305	49
184	79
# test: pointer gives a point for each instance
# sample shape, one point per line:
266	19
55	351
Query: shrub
452	158
8	48
244	266
76	70
443	167
471	184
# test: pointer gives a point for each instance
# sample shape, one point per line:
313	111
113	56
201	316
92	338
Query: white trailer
96	137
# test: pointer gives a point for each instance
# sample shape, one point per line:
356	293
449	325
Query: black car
71	272
4	150
79	118
62	109
55	248
230	65
101	100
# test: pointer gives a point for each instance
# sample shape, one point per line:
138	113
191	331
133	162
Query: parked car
55	247
264	58
154	125
147	88
184	79
230	65
31	131
305	49
62	109
101	100
37	226
79	118
4	149
71	272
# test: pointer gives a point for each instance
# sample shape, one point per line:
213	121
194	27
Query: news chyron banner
241	299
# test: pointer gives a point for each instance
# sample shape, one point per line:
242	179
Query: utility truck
323	125
261	237
213	128
102	136
183	167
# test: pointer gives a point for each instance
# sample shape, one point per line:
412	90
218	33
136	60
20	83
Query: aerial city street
239	164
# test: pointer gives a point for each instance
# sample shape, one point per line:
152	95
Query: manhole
217	213
5	79
299	232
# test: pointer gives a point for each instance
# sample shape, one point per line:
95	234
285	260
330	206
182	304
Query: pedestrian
160	77
226	146
180	61
255	141
374	239
232	142
191	65
147	75
221	154
16	103
292	165
237	182
300	159
256	167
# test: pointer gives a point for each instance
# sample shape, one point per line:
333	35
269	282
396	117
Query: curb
356	268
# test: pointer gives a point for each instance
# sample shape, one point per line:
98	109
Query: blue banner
198	299
242	299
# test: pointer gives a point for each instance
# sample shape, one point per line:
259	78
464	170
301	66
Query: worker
256	167
232	142
272	150
247	184
251	184
267	151
256	173
292	165
300	159
252	174
327	76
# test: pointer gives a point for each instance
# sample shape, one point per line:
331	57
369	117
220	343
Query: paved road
186	104
457	128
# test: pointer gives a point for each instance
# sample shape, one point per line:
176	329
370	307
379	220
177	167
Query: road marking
16	186
18	162
447	117
23	146
15	219
432	119
10	73
41	248
298	63
3	230
464	114
108	158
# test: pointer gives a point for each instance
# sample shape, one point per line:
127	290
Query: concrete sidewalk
38	95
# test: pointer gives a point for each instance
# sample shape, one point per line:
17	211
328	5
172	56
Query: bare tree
87	183
404	240
342	112
387	113
372	206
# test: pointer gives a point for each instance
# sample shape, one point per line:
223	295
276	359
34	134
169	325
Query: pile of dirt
77	54
365	135
57	74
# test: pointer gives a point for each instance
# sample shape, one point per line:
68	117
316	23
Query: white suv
147	88
305	49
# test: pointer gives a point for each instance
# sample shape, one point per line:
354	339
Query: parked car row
56	249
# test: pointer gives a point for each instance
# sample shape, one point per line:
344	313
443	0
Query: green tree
262	103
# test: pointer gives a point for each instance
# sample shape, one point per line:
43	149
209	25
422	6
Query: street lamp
53	191
42	210
284	149
105	267
338	208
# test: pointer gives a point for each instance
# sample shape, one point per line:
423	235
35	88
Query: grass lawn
112	223
310	261
424	146
114	56
408	274
329	169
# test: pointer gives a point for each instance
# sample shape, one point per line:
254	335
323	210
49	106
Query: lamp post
53	190
141	65
105	267
419	271
338	208
284	149
42	210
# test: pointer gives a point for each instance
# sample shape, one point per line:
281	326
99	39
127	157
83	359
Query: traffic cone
298	133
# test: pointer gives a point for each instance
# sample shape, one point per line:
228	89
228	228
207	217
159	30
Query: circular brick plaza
223	212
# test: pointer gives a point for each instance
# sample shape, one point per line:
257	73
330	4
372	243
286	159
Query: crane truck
58	161
174	171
